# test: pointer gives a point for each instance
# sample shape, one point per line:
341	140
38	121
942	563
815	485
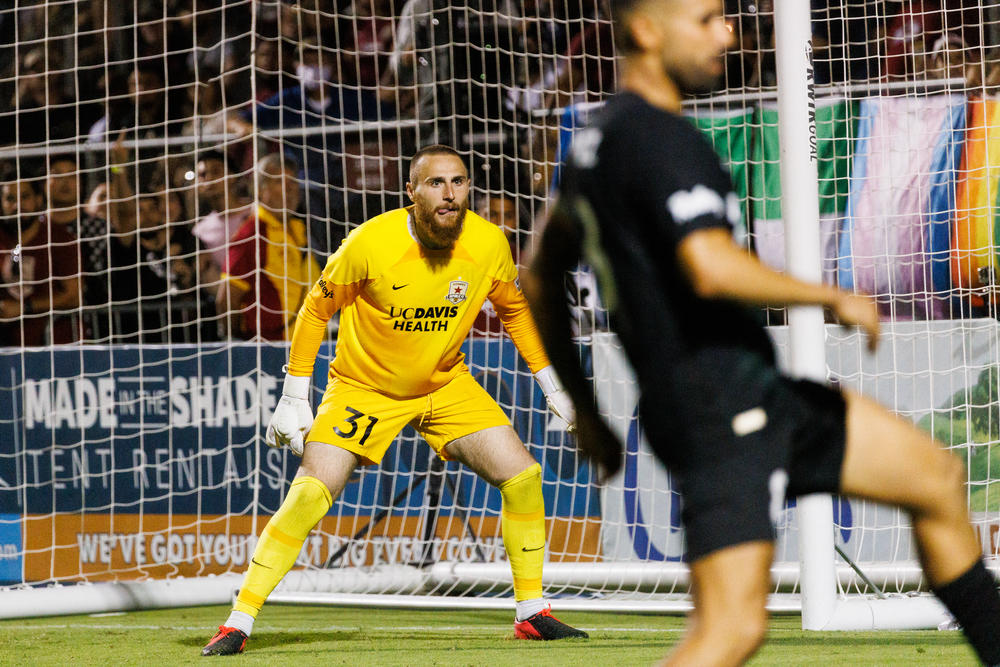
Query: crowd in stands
172	171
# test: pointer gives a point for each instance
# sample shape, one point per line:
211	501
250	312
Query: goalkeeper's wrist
296	386
548	380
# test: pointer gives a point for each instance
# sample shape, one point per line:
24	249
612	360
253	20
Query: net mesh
145	148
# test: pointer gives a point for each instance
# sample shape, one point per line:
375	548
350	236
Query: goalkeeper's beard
440	235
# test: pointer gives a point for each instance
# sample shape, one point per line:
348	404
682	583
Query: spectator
951	58
268	270
267	62
906	39
91	232
319	106
147	110
161	38
141	275
583	73
437	52
97	202
501	209
183	248
39	271
991	73
142	108
218	192
365	59
140	272
42	114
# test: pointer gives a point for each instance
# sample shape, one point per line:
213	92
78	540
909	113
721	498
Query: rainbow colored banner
836	119
973	258
895	239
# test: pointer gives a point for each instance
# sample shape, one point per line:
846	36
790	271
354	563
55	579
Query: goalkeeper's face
440	192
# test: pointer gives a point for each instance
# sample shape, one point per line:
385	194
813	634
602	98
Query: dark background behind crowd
131	132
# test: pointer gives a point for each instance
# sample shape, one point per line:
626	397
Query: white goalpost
135	383
800	208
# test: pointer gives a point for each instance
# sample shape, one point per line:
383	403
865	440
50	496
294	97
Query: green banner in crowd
747	141
836	125
729	134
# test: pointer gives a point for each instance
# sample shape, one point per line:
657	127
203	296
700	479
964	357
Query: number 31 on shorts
352	425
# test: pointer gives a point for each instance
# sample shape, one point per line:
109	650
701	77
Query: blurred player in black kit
646	202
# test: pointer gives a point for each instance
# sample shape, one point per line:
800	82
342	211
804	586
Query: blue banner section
179	429
11	549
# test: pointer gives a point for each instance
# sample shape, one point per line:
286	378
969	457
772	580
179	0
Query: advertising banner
916	376
131	461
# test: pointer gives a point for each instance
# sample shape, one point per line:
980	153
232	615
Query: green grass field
294	635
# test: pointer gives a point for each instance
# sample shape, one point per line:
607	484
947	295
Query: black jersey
638	180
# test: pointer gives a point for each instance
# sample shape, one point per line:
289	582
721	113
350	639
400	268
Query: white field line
327	628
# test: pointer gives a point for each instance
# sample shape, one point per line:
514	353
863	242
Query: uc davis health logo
457	290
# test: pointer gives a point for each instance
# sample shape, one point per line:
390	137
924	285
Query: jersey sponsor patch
327	292
777	485
583	151
457	291
687	205
733	213
434	318
749	421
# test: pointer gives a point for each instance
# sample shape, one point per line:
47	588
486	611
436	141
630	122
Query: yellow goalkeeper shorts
365	421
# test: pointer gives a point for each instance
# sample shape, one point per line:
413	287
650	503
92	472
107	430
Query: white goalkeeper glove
559	401
292	416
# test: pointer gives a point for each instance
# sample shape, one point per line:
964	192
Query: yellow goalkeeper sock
522	520
308	500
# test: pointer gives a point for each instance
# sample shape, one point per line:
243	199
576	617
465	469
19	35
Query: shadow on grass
850	640
272	639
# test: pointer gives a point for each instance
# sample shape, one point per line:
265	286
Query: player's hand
561	406
119	154
861	311
595	440
292	417
558	400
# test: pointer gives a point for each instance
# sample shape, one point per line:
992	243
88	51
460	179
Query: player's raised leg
889	460
321	477
729	588
498	456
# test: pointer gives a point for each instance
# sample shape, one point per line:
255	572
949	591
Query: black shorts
742	449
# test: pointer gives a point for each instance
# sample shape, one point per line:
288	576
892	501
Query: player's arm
720	269
543	284
512	308
122	211
340	283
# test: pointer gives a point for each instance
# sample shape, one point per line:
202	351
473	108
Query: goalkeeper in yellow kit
409	284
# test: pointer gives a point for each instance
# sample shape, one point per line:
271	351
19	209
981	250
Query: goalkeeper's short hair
432	149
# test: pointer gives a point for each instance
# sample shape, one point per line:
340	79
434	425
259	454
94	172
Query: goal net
175	175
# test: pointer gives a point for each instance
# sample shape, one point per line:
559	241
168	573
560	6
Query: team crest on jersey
457	291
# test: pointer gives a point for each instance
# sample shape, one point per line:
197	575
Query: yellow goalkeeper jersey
406	309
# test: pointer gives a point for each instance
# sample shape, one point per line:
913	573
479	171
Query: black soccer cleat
227	641
545	626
